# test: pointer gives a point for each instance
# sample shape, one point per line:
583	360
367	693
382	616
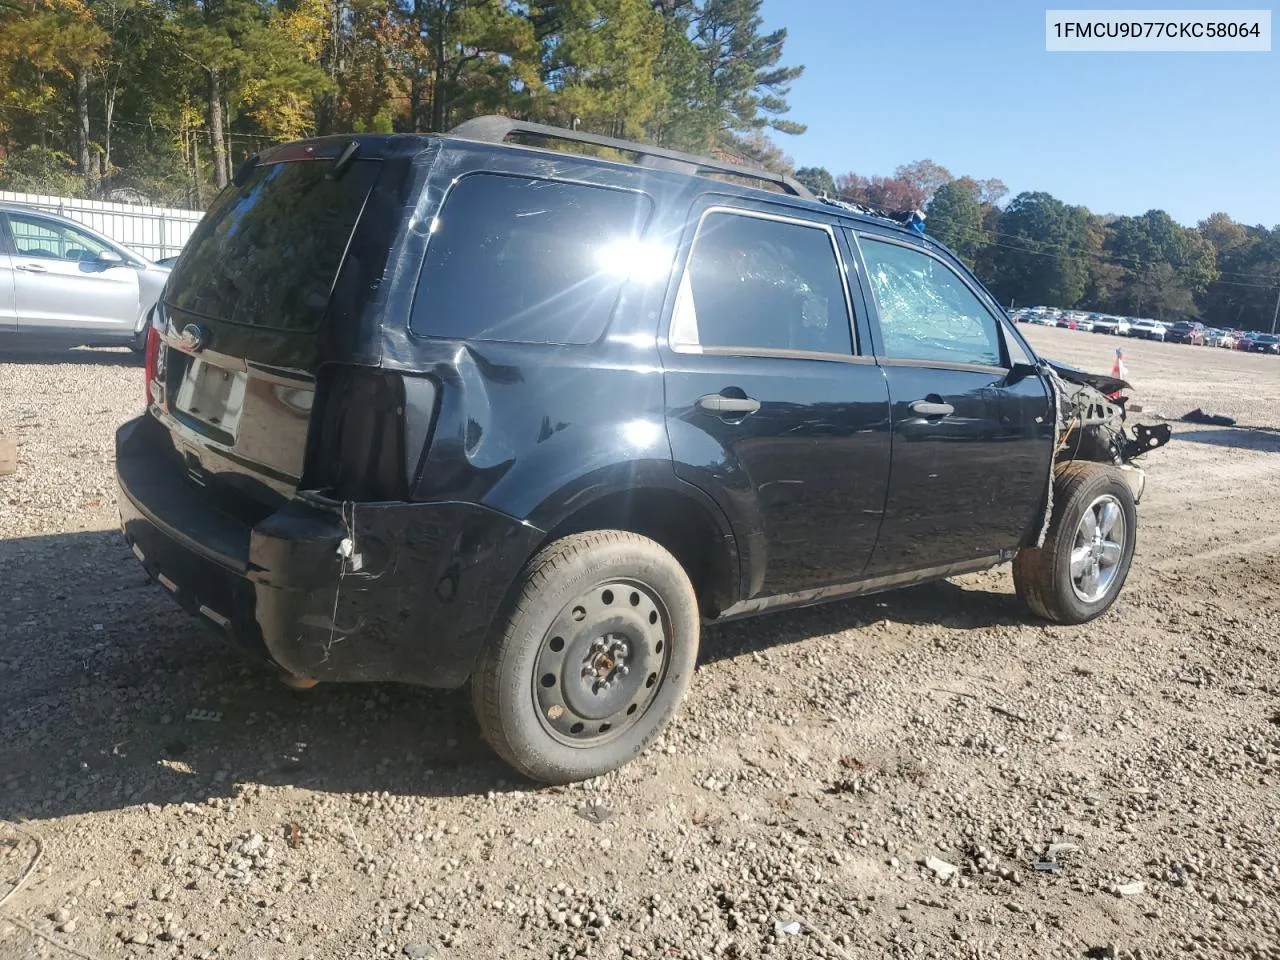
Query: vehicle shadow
1262	439
113	697
941	603
85	356
101	672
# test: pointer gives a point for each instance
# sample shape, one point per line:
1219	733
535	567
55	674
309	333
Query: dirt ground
1106	790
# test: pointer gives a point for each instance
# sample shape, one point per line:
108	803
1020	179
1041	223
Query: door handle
32	268
718	403
931	410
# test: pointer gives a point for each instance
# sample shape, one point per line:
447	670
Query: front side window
926	311
527	261
761	285
50	240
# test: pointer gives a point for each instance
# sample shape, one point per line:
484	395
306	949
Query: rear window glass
524	260
268	253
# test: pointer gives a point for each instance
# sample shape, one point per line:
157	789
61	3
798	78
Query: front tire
597	652
1078	573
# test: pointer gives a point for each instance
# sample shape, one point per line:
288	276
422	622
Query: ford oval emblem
192	338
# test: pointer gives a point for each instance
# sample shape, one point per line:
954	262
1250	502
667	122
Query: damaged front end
1092	423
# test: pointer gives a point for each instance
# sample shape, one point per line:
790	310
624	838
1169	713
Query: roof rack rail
496	129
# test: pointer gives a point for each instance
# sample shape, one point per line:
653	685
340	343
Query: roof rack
496	129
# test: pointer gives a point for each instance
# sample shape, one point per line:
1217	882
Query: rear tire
596	653
1078	573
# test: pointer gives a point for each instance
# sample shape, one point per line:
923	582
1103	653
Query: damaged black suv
521	407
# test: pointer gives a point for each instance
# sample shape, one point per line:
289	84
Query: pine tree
748	88
601	67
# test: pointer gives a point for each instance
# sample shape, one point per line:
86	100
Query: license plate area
210	399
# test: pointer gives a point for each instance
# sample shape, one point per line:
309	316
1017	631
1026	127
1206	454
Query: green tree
1167	263
130	30
462	56
955	218
1249	259
601	66
747	87
36	169
1045	251
682	117
48	50
817	179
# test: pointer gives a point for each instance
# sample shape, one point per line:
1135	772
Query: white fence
154	232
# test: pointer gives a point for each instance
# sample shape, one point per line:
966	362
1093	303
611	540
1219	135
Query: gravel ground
924	773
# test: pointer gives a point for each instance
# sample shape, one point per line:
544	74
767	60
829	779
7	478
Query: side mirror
1019	372
110	258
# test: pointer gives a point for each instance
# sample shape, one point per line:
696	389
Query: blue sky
969	85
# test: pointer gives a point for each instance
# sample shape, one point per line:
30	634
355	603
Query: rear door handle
32	268
930	409
719	404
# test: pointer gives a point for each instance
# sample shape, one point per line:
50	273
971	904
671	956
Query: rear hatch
251	314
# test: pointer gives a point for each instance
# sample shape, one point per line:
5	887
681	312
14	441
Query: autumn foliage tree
164	98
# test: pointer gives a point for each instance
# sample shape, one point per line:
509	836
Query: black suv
451	409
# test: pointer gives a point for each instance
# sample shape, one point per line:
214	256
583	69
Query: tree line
1038	250
160	100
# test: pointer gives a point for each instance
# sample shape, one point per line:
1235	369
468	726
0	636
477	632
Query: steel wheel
602	663
1098	549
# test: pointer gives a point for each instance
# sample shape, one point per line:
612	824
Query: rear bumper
413	602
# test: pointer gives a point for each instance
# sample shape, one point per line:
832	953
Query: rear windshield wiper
344	161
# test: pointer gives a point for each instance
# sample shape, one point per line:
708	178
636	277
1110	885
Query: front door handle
32	268
718	403
930	410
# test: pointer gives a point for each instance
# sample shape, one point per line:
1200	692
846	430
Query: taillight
153	352
356	437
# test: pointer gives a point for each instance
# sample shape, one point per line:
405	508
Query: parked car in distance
533	448
64	285
1227	340
1186	331
1213	336
1263	343
1117	326
1147	329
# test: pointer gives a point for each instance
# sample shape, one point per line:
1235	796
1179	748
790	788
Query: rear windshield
267	253
525	260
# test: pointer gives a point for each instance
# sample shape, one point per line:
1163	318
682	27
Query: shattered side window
926	311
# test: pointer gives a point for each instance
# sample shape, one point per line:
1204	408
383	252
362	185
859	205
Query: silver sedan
62	284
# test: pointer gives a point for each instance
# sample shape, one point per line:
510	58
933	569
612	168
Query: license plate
212	395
